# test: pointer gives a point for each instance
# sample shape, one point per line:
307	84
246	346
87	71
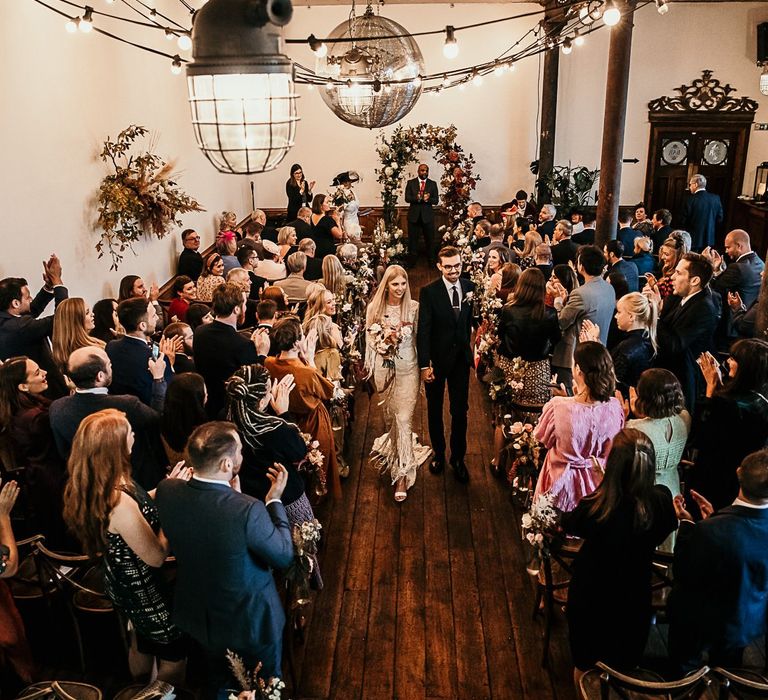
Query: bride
390	358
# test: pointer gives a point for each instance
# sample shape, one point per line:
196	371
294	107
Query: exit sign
761	127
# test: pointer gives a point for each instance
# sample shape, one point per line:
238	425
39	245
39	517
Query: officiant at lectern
421	193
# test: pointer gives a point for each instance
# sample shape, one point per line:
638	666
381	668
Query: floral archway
403	148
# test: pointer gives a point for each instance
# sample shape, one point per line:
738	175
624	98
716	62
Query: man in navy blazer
131	354
226	544
445	355
626	233
702	213
719	598
421	194
90	370
614	252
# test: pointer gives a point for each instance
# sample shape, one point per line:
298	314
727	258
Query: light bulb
86	23
184	42
584	15
176	65
318	47
169	35
329	85
611	16
451	46
416	82
567	47
71	25
579	40
110	2
662	7
477	80
446	81
499	69
310	87
462	85
387	88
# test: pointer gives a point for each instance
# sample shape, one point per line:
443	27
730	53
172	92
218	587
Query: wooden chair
544	602
130	692
60	690
606	684
25	584
661	581
78	582
741	684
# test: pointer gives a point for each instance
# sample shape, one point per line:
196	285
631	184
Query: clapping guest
564	249
298	191
614	256
184	411
636	318
106	325
114	516
520	227
279	297
182	334
184	293
296	356
27	441
286	240
577	430
72	327
211	277
731	421
659	410
497	258
510	274
670	253
198	315
326	231
621	523
226	246
132	286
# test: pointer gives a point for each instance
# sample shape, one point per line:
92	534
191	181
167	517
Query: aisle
428	598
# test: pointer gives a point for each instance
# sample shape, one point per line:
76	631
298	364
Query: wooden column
552	22
616	88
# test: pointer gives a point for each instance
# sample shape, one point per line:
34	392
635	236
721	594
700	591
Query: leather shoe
437	465
460	472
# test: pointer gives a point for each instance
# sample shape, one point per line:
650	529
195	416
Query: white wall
63	94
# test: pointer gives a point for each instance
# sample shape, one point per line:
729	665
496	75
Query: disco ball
371	83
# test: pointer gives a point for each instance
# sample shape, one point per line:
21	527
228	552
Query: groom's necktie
421	189
455	302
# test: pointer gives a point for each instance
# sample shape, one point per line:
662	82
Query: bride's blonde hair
378	304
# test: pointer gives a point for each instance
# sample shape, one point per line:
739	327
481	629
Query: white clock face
716	152
674	152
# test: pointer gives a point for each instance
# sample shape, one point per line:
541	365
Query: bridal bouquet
538	525
313	463
249	680
305	537
386	339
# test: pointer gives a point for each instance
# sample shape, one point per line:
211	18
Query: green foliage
139	198
569	187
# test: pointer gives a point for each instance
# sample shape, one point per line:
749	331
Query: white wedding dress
398	451
350	221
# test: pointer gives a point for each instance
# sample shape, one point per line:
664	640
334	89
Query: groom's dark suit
443	343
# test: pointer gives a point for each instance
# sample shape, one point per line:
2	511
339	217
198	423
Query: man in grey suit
225	545
593	300
295	286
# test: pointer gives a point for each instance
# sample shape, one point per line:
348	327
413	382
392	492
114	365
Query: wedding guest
271	268
114	516
296	356
660	221
577	222
626	233
286	240
577	430
106	325
547	223
544	259
587	235
314	269
642	258
211	277
335	278
527	257
276	295
659	410
249	259
190	260
702	213
27	441
198	315
718	604
326	231
519	231
303	222
614	256
227	226
510	274
322	301
72	327
497	241
481	235
133	286
184	410
497	258
298	191
565	249
185	293
183	334
670	254
251	239
621	522
268	233
731	421
294	285
226	247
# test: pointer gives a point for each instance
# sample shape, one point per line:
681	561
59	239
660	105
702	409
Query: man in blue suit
131	354
614	252
226	544
702	213
719	599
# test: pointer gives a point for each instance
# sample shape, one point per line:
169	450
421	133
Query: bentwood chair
60	690
604	683
740	684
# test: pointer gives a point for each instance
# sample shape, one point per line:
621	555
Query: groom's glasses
452	267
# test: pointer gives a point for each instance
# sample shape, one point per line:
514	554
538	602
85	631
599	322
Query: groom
445	355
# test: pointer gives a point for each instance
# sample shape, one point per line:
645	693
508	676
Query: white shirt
450	286
222	483
94	390
685	299
739	502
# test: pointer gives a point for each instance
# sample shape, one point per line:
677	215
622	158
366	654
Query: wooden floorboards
426	599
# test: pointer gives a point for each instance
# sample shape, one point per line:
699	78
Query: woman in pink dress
577	430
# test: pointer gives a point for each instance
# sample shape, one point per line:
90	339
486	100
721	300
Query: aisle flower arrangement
249	680
305	537
526	454
314	464
538	527
141	197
